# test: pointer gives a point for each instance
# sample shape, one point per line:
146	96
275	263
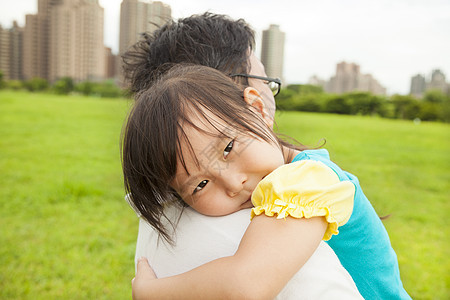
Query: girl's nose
234	183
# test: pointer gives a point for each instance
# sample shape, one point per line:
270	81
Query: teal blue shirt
363	244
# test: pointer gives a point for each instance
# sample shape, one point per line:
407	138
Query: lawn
67	233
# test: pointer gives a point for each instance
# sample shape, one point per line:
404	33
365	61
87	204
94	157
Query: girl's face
228	169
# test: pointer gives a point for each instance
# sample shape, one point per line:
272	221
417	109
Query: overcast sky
390	39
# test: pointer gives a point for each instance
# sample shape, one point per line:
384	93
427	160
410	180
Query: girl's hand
140	283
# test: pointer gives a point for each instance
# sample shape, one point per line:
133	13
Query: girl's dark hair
154	132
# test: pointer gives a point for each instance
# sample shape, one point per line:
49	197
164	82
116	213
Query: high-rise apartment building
33	60
272	51
36	42
76	40
315	80
4	52
110	64
11	46
437	81
16	52
65	38
137	17
348	78
418	85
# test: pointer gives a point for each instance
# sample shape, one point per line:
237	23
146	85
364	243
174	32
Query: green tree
86	88
36	84
305	89
338	104
435	106
405	106
309	103
2	82
14	85
430	111
363	103
412	111
434	96
284	99
303	97
445	113
63	86
107	89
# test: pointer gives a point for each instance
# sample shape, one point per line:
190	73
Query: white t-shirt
200	239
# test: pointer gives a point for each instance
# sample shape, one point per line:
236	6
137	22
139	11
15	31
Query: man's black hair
209	39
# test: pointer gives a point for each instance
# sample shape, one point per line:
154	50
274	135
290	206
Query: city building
272	51
437	82
348	78
418	86
137	17
35	45
65	39
314	80
110	64
11	46
345	80
16	52
76	41
4	52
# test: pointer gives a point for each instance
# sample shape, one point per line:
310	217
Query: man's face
257	68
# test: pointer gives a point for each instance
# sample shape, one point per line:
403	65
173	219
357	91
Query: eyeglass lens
273	86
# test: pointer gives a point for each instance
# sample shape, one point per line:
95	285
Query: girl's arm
269	255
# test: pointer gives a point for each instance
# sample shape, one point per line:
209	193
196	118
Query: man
226	45
211	40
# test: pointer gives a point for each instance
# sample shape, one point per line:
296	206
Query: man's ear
252	97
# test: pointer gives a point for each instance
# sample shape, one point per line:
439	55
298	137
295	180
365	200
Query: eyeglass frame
270	79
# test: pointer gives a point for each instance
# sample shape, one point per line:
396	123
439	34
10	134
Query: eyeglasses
274	83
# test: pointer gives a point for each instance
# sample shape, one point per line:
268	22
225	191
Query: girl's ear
252	97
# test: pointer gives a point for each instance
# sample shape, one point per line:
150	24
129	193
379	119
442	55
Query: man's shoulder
197	239
188	221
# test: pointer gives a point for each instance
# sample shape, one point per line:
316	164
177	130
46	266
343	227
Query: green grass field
67	233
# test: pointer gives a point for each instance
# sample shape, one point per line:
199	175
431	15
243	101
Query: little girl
198	139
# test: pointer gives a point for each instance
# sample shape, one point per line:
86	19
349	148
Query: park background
66	231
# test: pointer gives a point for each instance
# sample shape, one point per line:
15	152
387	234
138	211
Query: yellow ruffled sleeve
305	189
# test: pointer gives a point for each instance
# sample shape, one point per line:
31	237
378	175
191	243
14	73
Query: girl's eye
200	186
228	149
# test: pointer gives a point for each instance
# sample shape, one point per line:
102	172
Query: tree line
65	86
433	106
